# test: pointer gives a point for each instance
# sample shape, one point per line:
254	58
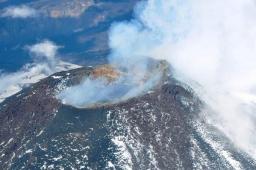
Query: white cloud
46	49
22	11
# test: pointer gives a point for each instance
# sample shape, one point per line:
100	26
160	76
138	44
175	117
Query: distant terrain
80	26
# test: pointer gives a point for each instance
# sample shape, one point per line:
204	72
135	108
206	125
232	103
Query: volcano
161	128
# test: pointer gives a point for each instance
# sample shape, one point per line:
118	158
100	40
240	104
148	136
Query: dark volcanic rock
25	114
160	123
160	129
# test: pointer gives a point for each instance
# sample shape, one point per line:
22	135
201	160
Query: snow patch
219	148
125	157
56	77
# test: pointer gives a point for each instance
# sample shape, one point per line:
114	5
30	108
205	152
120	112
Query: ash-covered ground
162	128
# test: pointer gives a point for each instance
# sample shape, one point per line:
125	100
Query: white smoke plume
45	63
22	11
211	45
97	92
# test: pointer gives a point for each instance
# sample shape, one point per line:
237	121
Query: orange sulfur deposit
106	71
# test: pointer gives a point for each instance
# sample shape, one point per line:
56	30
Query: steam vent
158	129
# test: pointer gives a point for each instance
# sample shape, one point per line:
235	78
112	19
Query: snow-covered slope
14	82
